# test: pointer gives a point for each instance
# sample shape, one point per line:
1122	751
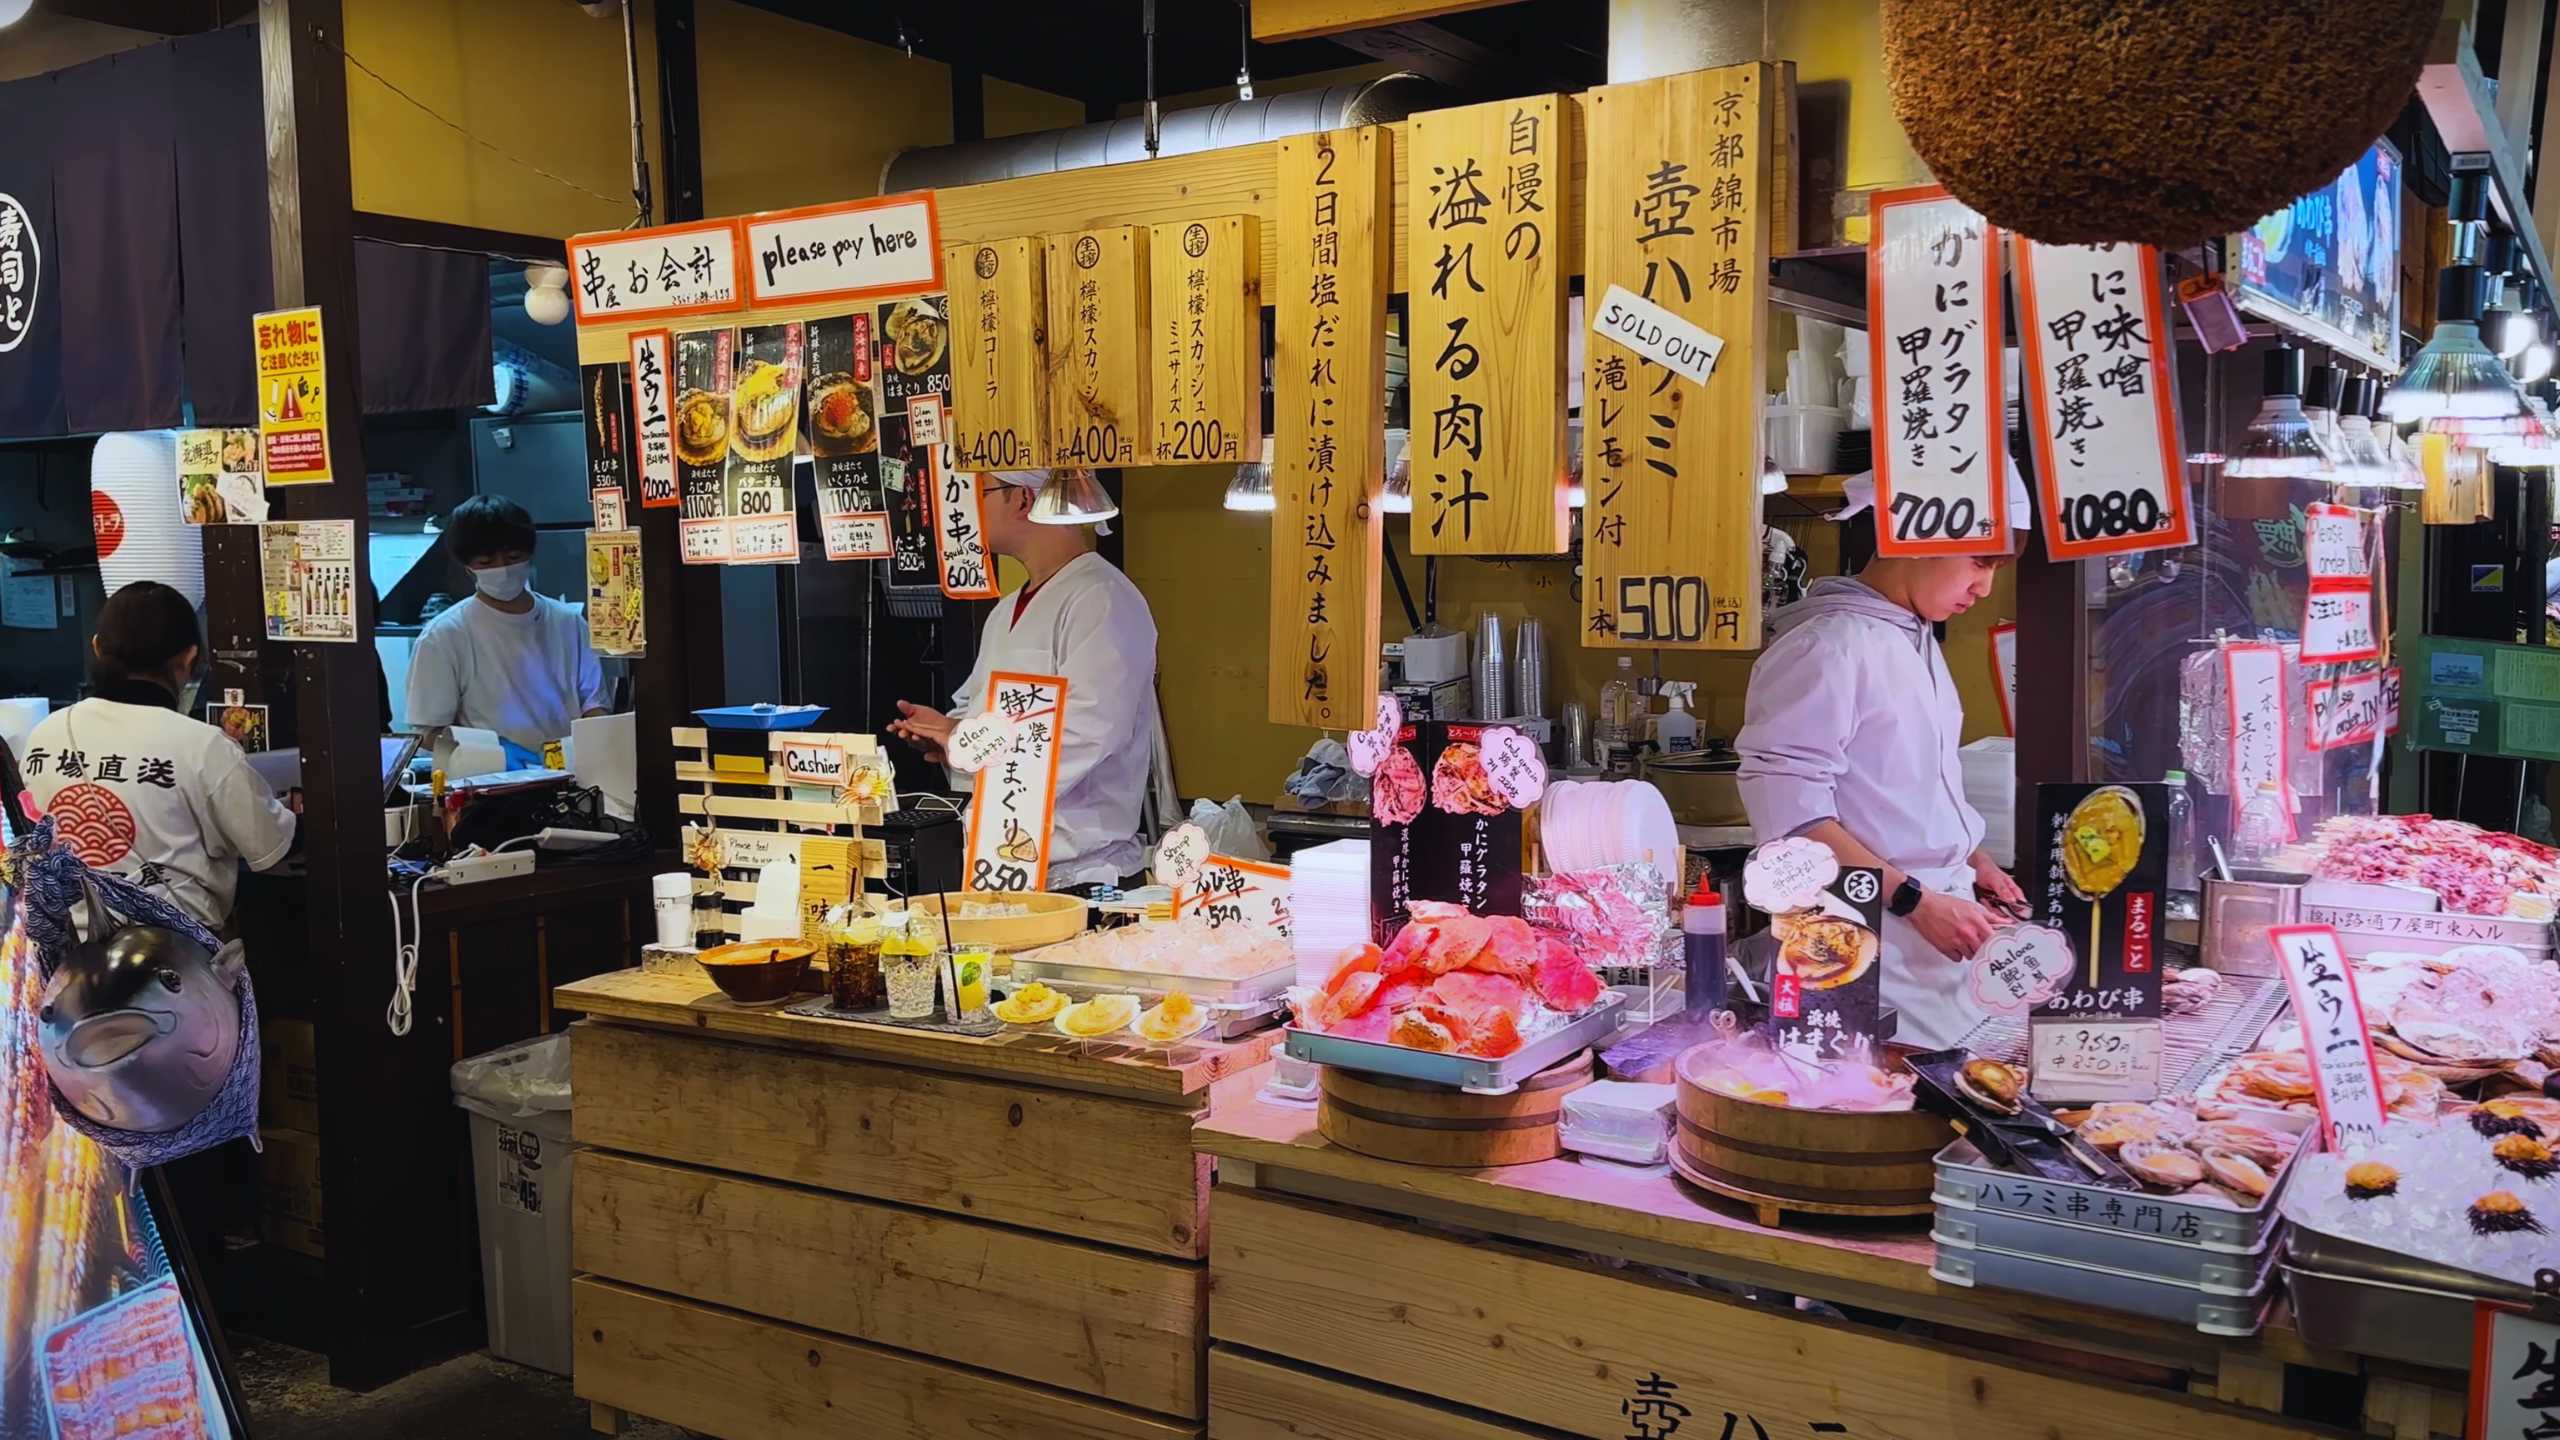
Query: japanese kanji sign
2515	1375
1485	290
1228	891
688	269
1941	435
2100	398
2333	1032
702	416
293	391
959	510
844	437
1330	410
1098	347
1675	213
653	419
1017	791
1205	302
861	250
2254	687
999	368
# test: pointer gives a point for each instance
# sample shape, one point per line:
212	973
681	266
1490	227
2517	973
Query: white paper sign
1229	891
1016	799
608	508
869	249
2254	681
1656	334
1941	449
2391	701
974	742
2021	968
2095	1059
1181	855
2333	1033
703	542
1788	874
2098	397
2337	625
959	511
689	269
821	763
1513	764
2335	547
1369	747
2344	712
854	535
2515	1376
652	422
764	538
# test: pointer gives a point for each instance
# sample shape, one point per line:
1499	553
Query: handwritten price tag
2020	969
1369	747
2337	626
1181	855
2333	1032
1513	764
1789	874
2096	1059
974	742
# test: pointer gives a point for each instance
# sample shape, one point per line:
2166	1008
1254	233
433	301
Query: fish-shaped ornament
141	1023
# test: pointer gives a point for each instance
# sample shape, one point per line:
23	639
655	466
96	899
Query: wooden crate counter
787	1226
1359	1299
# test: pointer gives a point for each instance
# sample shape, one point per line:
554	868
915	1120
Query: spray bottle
1676	729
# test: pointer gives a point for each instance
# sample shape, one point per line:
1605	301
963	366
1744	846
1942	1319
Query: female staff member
136	787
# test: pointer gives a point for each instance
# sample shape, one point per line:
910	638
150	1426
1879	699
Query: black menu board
604	393
1438	830
915	359
2102	865
1828	982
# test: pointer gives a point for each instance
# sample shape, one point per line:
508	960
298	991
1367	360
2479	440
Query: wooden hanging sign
1205	303
999	356
1098	347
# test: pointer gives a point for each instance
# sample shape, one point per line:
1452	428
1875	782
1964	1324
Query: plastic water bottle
1619	706
2260	833
2182	843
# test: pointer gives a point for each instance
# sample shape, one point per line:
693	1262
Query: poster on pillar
999	413
1016	796
293	397
1675	212
844	438
1205	302
915	360
1098	347
756	483
703	360
1941	430
1329	358
2101	399
1486	301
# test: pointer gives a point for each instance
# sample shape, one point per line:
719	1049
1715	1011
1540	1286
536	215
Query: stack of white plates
1587	824
1328	905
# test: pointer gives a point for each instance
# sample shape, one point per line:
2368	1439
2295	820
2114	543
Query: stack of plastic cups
1529	662
1492	669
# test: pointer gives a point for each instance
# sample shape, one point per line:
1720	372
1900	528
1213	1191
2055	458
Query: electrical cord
404	959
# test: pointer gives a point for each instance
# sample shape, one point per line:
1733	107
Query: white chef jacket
1089	624
1853	717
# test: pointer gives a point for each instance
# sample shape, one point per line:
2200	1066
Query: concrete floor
474	1397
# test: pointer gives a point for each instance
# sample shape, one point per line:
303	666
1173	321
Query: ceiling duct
1185	132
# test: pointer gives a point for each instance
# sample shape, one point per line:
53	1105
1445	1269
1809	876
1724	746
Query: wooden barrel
1416	1122
1834	1161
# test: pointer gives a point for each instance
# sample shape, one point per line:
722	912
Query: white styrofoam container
1619	1120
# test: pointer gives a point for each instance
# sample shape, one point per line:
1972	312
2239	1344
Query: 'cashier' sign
1017	788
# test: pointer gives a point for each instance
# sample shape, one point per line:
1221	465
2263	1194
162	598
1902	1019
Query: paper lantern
133	508
2082	122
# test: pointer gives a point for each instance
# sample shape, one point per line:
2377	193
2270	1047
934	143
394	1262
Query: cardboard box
289	1191
289	1076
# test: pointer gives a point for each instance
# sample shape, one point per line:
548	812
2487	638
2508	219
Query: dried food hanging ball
2088	121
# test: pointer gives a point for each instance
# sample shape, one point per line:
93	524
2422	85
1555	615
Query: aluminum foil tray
1590	1029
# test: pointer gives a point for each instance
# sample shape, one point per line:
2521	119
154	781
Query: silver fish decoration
140	1023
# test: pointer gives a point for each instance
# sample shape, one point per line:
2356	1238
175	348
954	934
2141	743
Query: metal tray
1590	1029
2218	1272
2408	1323
2214	1314
1967	1181
1028	965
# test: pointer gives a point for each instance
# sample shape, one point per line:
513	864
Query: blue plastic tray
761	717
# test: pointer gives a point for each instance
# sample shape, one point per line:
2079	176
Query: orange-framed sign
653	417
674	270
860	250
1015	801
1941	436
1228	891
960	555
2101	398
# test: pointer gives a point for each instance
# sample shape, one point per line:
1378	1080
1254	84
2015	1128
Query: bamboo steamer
1417	1122
1828	1162
1052	919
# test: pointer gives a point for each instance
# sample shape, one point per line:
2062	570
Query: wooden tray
1053	918
1416	1122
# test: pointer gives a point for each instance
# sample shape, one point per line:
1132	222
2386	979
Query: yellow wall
542	82
793	114
1018	109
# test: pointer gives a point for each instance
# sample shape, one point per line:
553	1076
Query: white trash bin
519	1101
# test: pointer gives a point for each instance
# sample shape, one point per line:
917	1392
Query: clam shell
2163	1167
2238	1172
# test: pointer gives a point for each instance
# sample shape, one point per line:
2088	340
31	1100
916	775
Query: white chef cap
1023	479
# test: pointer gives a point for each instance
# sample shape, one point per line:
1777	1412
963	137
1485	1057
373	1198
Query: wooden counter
787	1226
1336	1314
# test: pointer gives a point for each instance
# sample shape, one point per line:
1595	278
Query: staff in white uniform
507	659
1079	617
1849	737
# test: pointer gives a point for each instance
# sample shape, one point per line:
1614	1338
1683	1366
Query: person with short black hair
507	659
134	785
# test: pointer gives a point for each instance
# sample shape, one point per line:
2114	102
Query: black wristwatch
1906	897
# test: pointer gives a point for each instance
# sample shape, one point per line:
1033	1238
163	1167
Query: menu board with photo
844	437
614	617
1826	988
764	427
2102	856
2328	265
604	394
308	572
703	378
219	482
915	359
1438	828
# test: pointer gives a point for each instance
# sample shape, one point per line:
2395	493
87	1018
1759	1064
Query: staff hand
927	730
1993	886
1957	928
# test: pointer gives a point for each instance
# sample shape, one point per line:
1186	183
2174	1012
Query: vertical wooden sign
1485	287
999	355
1206	307
1675	213
1329	352
1098	343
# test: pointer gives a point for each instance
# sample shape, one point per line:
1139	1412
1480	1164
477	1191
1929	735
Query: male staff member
1080	618
506	659
1849	737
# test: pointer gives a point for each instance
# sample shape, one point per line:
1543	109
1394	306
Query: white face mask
503	582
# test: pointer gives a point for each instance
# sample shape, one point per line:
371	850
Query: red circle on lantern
106	517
